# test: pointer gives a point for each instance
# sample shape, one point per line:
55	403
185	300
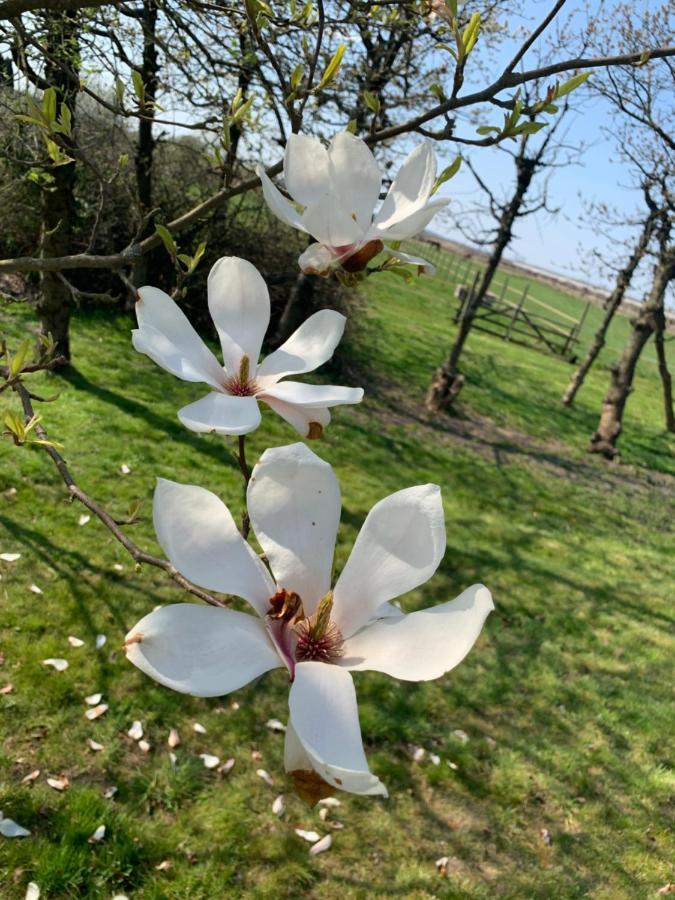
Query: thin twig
246	473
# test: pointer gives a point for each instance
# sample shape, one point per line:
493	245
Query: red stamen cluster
327	647
239	388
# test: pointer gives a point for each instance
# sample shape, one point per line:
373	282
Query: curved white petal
355	176
411	188
332	224
324	721
166	336
239	303
312	395
309	423
198	534
398	548
318	260
426	268
306	168
201	650
221	414
422	645
281	207
294	505
413	224
309	347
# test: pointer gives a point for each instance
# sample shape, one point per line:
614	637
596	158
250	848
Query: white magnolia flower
239	304
338	188
320	636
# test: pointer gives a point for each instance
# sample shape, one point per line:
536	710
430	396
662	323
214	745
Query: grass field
564	786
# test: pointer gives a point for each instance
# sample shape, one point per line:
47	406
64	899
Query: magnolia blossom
239	304
338	189
320	636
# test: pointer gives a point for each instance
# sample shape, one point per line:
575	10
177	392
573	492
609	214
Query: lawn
555	773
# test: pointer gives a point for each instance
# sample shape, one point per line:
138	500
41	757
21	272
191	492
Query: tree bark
666	380
611	305
447	382
58	205
650	319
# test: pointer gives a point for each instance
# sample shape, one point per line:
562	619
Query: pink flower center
301	638
241	384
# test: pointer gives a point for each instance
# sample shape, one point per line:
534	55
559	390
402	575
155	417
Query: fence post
503	291
516	313
573	336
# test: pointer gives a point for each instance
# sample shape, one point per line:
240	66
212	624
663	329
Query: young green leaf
372	102
447	173
167	240
332	68
139	87
574	82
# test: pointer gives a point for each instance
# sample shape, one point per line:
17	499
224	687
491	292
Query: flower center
301	638
359	260
241	384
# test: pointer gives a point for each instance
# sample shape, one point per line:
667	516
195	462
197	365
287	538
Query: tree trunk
447	382
651	318
58	197
666	380
611	305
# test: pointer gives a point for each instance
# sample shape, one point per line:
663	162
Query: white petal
75	641
413	224
355	176
35	589
221	414
279	805
411	188
306	168
32	891
311	836
59	664
83	519
330	223
309	347
426	268
281	207
318	260
266	777
294	505
93	699
239	303
275	725
10	829
98	835
398	548
96	712
198	728
324	844
325	722
210	762
309	423
201	650
422	645
166	336
136	731
198	534
10	557
100	641
312	396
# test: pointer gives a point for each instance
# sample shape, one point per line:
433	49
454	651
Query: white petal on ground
11	829
355	176
118	568
309	347
173	759
418	754
61	783
35	589
266	777
7	688
302	418
198	534
279	805
325	722
227	766
93	699
239	303
422	645
167	337
210	762
311	836
10	557
294	505
221	414
101	640
144	746
31	777
306	168
32	891
84	518
136	731
110	792
124	469
173	739
275	725
312	396
330	801
324	813
98	835
96	712
94	745
201	650
198	729
59	664
461	735
75	641
324	844
435	759
398	548
281	207
410	189
256	755
412	225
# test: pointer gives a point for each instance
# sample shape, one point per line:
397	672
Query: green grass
565	699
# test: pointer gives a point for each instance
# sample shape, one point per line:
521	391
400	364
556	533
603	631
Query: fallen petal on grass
164	865
110	792
32	891
144	746
98	835
11	829
124	469
94	745
266	777
418	754
84	518
96	712
31	777
93	699
59	664
275	725
136	731
311	836
35	589
279	805
60	783
435	759
227	766
210	762
100	641
442	866
199	729
322	845
330	801
173	739
461	735
10	557
75	641
118	568
7	688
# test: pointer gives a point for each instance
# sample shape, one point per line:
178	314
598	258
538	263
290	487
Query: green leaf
167	240
139	87
19	359
331	69
296	76
447	173
120	90
65	120
574	82
14	424
530	127
242	110
438	92
470	34
351	126
372	101
49	105
488	129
